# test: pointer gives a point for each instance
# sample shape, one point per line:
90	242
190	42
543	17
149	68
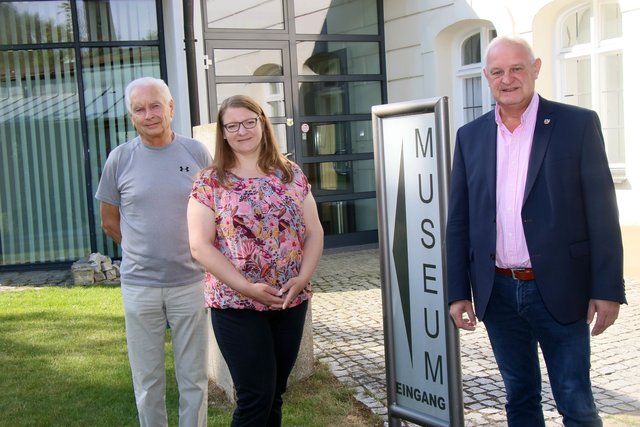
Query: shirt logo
184	168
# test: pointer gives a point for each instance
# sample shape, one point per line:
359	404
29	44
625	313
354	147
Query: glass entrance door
257	69
317	68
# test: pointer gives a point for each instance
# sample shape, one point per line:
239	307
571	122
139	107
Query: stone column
220	378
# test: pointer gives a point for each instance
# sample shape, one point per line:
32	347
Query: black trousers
260	348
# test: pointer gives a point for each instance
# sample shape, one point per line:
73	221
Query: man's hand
606	313
463	315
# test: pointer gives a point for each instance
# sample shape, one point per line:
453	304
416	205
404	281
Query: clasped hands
276	299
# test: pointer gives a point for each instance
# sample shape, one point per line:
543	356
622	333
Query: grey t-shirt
151	186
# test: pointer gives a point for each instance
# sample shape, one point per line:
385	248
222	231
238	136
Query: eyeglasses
235	126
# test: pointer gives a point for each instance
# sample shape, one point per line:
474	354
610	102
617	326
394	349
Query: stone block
96	266
305	361
83	276
106	265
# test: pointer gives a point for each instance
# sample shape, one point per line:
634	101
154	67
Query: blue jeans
260	348
517	321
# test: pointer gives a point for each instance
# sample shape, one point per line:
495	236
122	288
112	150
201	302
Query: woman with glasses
253	224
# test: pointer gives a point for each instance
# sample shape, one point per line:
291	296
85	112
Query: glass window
348	216
35	22
577	82
106	73
337	138
269	95
472	98
43	210
248	62
471	50
46	195
331	98
611	21
344	176
338	58
611	106
592	72
577	28
280	129
100	20
245	14
336	17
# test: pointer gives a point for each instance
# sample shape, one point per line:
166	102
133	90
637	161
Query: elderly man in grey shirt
143	191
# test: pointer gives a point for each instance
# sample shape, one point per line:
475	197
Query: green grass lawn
63	362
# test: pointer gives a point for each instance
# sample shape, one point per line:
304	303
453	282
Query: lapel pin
547	121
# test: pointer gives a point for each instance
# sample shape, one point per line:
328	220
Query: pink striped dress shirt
513	149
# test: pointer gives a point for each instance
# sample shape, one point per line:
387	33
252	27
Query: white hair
146	81
511	39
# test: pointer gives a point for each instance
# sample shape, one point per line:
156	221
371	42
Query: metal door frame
286	79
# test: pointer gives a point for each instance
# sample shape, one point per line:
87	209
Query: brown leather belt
517	273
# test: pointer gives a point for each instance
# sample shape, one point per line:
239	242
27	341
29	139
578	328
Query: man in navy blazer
533	237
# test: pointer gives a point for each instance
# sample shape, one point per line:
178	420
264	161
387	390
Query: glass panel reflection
472	98
43	215
336	17
335	58
248	62
577	28
245	14
269	95
35	22
281	136
348	216
331	98
611	20
342	176
337	138
100	20
577	82
106	73
612	106
471	50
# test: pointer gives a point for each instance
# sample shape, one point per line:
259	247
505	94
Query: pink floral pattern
259	228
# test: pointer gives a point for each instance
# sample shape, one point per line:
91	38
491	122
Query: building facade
316	66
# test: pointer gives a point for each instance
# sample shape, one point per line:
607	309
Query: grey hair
146	81
511	39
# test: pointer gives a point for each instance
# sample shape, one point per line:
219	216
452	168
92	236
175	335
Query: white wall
420	39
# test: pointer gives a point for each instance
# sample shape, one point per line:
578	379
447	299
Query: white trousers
147	311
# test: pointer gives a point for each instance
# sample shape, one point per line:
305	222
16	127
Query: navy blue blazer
569	213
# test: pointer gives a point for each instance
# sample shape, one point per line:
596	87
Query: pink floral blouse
259	228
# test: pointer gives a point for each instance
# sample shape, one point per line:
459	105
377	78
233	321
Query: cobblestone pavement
17	280
348	336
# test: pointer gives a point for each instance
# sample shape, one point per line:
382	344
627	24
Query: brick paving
348	337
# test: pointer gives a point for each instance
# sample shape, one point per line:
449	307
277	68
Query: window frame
464	72
595	50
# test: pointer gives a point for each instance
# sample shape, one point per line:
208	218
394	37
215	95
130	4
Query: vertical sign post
412	159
